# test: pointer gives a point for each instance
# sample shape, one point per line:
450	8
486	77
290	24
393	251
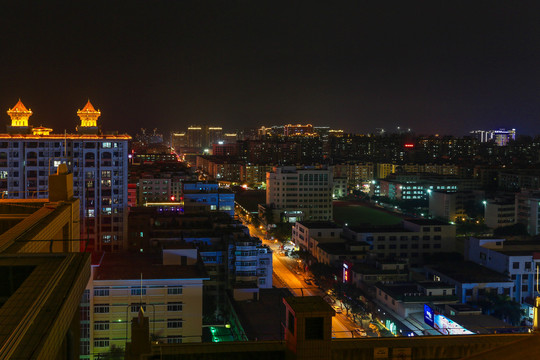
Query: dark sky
437	66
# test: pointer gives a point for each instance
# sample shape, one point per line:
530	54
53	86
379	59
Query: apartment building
528	210
168	287
452	205
99	163
413	239
500	212
303	193
303	233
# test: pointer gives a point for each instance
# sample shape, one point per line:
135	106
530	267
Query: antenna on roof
536	321
140	301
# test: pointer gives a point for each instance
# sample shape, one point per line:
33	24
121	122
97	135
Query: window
136	307
137	290
101	342
101	309
527	265
426	237
174	290
174	306
437	229
101	291
174	339
426	229
515	265
101	325
174	323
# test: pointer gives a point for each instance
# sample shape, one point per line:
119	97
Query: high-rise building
98	161
300	193
297	129
501	137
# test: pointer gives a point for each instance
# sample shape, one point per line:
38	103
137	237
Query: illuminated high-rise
28	155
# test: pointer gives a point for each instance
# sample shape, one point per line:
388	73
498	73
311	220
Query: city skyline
445	68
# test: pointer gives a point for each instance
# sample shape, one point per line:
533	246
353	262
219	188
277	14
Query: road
288	273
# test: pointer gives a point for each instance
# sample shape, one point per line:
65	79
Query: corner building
99	163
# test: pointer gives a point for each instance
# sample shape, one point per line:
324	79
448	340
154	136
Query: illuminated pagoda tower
88	116
19	115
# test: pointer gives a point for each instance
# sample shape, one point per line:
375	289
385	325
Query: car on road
360	332
337	309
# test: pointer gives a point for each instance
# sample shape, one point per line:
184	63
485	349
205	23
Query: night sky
444	67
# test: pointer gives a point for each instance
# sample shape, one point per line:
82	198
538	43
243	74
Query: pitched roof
88	107
19	107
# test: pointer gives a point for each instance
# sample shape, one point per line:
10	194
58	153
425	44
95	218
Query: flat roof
426	221
319	224
378	229
130	266
469	272
306	304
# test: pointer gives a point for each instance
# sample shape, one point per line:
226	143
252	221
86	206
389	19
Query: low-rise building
335	254
209	194
412	240
516	258
528	210
364	275
452	206
472	281
304	233
407	298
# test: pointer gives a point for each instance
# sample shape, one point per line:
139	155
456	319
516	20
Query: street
288	273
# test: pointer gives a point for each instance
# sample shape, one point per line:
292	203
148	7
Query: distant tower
88	116
19	115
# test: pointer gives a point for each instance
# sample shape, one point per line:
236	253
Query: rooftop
130	266
469	272
308	304
426	222
319	224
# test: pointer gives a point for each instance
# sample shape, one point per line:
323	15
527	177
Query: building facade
168	287
300	193
98	161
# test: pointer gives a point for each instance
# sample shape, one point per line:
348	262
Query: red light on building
409	145
172	197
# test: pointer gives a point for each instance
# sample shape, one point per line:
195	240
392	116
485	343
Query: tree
502	307
511	230
114	353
